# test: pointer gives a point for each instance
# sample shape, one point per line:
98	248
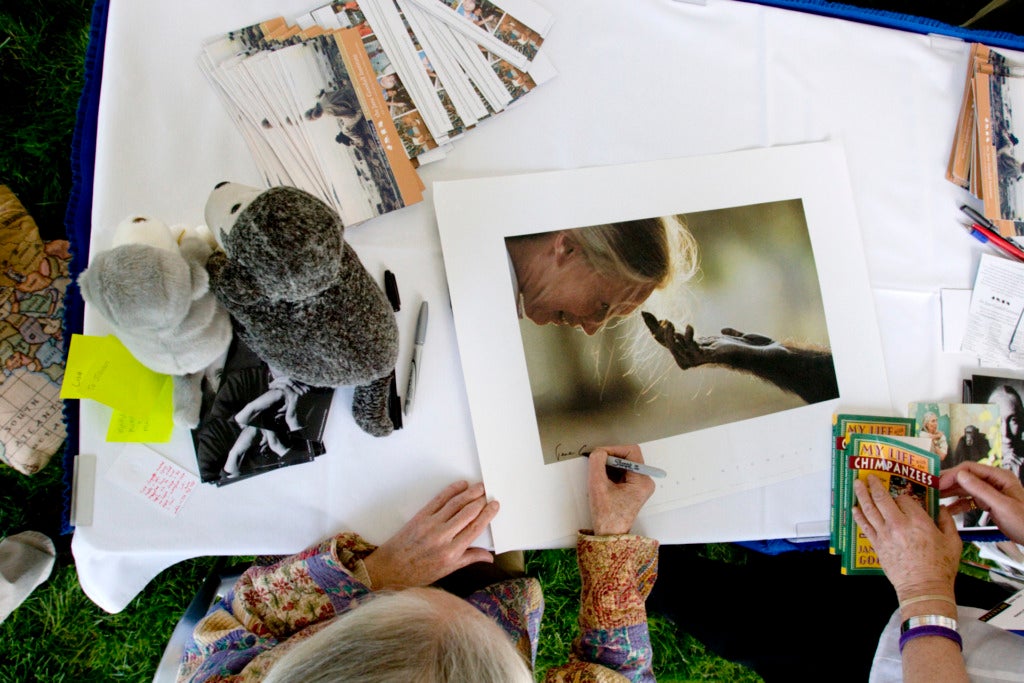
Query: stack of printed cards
988	147
349	99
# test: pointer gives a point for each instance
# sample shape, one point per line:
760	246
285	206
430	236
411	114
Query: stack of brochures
348	100
988	147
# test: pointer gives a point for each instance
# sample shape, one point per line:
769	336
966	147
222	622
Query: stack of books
348	100
988	148
885	447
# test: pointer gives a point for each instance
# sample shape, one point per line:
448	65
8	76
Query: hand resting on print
806	372
436	541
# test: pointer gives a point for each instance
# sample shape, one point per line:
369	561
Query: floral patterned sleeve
270	604
618	574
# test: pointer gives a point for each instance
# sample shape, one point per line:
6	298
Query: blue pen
1002	250
978	236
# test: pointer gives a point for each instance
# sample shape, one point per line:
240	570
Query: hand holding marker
639	468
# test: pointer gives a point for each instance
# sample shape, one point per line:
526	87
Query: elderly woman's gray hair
418	634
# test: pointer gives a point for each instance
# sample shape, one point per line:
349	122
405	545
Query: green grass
58	634
42	49
677	656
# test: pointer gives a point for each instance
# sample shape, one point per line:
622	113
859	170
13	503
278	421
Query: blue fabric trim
903	22
776	546
78	223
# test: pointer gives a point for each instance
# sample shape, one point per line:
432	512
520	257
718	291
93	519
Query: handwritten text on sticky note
102	369
155	428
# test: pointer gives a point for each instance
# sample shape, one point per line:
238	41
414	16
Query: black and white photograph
1007	393
257	422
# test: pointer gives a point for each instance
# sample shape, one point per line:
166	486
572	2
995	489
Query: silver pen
417	350
639	468
624	464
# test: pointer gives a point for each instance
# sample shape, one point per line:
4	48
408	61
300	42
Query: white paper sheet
703	465
956	304
994	331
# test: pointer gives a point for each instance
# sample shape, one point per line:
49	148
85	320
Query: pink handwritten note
144	471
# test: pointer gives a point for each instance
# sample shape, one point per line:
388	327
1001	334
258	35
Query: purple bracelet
918	631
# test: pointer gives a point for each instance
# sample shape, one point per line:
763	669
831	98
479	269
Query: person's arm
807	372
921	560
618	570
268	604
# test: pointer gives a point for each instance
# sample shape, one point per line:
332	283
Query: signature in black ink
565	453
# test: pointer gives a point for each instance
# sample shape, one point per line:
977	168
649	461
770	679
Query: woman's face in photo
931	425
574	294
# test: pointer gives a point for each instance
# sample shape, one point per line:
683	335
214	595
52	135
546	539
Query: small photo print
959	432
962	432
517	82
518	36
1007	394
1006	92
256	422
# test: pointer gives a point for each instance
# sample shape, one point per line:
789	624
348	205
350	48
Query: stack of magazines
988	148
348	100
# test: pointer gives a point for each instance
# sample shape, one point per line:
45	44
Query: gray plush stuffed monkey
304	301
152	287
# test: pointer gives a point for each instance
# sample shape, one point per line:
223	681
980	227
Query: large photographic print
729	324
720	329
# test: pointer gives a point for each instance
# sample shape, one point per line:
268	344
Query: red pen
990	234
997	241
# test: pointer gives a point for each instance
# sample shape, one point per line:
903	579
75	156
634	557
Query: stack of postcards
988	151
348	100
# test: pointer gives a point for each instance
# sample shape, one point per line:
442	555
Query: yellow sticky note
155	428
102	369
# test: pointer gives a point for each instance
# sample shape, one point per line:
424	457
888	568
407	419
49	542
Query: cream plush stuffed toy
153	289
305	302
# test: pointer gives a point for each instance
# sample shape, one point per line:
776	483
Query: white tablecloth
648	79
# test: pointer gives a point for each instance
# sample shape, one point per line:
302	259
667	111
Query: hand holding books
918	557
